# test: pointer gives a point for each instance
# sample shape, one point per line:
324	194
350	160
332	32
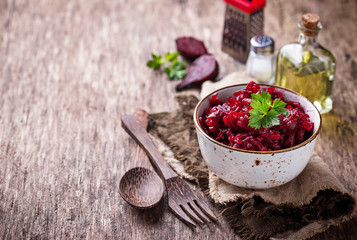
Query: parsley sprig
264	113
174	68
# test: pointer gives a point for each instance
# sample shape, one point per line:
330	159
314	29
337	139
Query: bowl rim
198	126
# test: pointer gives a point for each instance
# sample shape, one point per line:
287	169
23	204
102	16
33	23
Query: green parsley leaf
272	117
155	56
279	106
171	56
180	74
174	68
154	65
257	97
264	113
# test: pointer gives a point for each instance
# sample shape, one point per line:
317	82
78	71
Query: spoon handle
132	126
140	159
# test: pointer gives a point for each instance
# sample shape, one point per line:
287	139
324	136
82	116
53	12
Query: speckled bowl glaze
255	169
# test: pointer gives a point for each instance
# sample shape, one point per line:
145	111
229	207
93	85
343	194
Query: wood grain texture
186	204
140	159
70	69
141	186
182	200
132	126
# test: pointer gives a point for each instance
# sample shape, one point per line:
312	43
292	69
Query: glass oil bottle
306	67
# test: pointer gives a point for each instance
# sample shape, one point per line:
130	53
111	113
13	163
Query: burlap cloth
307	205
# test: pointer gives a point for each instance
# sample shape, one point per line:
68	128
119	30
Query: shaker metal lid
261	44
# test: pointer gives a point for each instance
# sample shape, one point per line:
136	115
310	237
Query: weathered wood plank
70	69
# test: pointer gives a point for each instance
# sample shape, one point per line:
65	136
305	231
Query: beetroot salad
228	122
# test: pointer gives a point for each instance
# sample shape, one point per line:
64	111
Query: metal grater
239	27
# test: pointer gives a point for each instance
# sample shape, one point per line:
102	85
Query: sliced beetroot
190	48
202	69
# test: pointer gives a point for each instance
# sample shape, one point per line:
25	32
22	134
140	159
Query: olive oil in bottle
306	67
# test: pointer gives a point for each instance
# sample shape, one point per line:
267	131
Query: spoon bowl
141	187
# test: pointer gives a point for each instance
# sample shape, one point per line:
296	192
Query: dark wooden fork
183	201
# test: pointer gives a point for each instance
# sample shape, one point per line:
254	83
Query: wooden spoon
140	186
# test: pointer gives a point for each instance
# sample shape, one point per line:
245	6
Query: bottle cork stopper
310	21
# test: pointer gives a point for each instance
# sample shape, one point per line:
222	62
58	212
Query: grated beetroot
228	123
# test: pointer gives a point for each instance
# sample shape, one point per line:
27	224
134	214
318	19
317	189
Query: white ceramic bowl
256	169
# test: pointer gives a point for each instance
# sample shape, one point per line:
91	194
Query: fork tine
191	213
198	211
177	210
205	208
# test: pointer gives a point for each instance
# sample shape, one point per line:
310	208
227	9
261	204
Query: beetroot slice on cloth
190	48
202	69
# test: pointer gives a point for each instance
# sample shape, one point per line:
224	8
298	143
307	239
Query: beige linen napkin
307	205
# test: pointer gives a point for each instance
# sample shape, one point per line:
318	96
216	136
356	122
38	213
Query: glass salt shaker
261	60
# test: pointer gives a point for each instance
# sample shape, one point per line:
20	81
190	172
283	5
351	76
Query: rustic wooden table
70	69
